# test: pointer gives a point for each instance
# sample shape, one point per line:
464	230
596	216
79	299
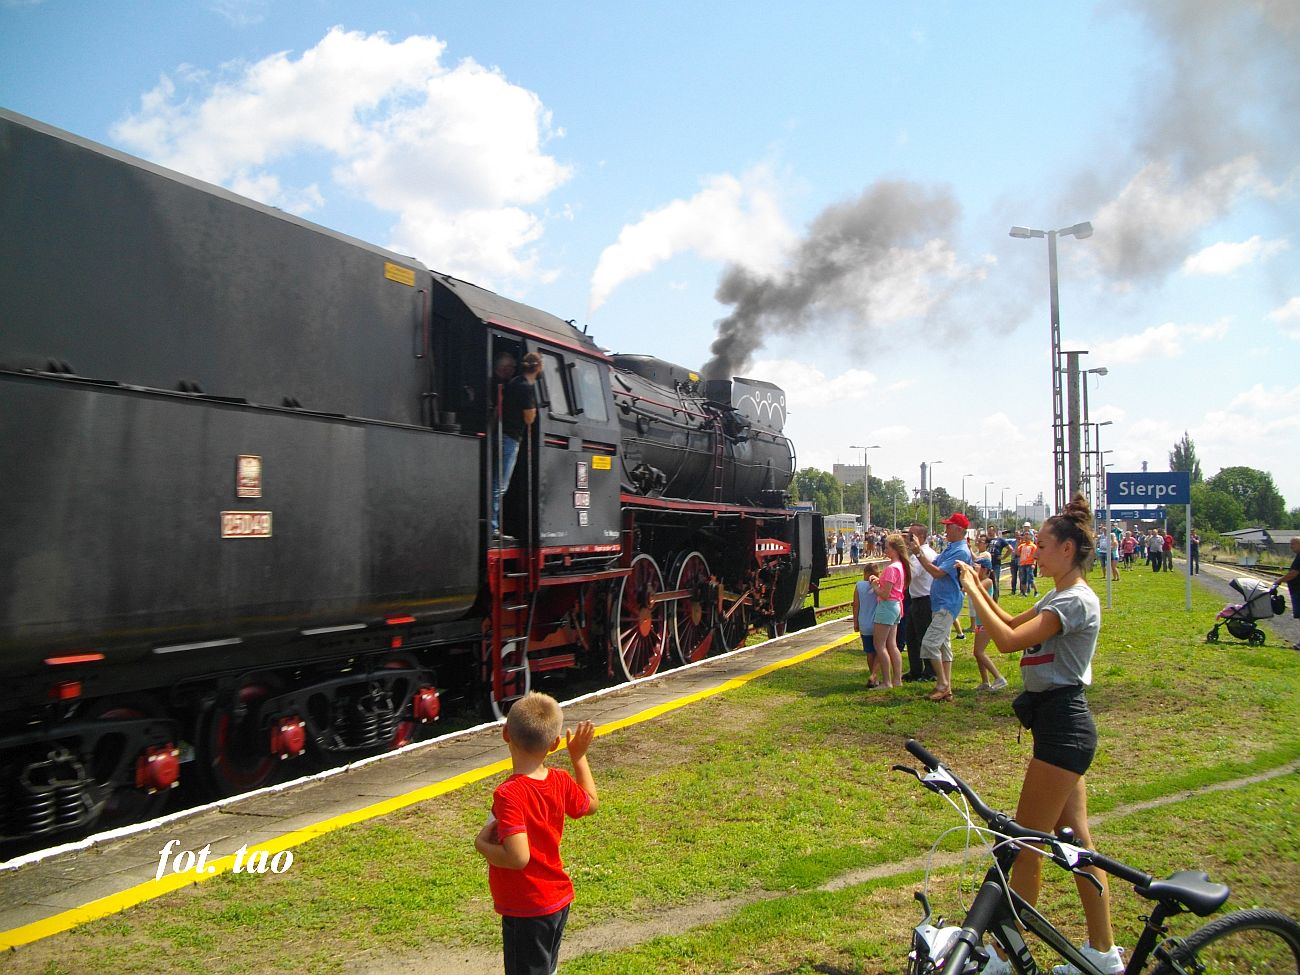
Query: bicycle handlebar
1063	853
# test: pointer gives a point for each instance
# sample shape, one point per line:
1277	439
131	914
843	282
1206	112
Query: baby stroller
1262	602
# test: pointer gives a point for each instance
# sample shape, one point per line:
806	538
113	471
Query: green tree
1212	510
888	497
820	488
1183	458
1254	490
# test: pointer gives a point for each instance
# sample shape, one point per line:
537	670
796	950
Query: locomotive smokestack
854	266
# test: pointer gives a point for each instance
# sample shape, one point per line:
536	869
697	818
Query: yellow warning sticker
402	275
601	462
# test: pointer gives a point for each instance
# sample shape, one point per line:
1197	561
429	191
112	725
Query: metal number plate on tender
245	524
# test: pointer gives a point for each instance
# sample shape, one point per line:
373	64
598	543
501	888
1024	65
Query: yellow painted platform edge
113	903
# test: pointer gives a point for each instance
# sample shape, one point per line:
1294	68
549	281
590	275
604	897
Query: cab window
553	375
591	394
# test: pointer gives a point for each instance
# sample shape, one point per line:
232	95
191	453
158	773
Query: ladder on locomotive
510	621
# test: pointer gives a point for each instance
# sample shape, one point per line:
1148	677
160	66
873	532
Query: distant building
848	473
1275	540
1036	514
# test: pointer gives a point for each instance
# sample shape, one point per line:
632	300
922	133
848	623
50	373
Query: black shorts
531	945
1064	733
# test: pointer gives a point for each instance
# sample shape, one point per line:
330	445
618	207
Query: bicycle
1255	940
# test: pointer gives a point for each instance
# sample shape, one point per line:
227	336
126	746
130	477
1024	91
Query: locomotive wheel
733	629
125	803
692	616
640	625
233	753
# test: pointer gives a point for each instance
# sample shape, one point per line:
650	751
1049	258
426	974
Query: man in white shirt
916	609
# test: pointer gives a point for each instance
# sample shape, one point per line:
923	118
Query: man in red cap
945	600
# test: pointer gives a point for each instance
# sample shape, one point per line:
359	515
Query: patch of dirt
624	933
610	936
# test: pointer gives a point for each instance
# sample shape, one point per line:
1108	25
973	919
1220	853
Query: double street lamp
866	484
1080	231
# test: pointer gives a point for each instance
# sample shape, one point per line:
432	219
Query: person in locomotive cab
518	411
503	370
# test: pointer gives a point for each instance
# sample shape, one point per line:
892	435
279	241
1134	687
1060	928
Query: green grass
771	791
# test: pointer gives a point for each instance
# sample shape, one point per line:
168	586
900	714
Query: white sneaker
998	684
996	965
1107	961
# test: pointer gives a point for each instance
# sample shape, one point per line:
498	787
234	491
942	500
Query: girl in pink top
890	586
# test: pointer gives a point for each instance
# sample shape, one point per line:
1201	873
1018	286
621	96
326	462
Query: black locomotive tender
247	465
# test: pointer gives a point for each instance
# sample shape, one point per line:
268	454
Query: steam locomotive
248	461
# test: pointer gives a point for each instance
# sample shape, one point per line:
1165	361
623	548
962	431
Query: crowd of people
911	578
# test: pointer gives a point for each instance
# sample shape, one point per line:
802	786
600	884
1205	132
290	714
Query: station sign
1147	488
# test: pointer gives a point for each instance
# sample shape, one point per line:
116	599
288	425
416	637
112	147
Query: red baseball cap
958	519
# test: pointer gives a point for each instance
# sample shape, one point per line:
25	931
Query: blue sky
863	162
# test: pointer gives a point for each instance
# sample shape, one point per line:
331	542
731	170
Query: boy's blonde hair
534	722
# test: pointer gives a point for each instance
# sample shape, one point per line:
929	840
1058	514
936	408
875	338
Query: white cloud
732	219
1001	429
1288	317
241	13
807	387
457	153
1225	257
1159	342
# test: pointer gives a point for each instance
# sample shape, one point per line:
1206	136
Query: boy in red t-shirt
521	841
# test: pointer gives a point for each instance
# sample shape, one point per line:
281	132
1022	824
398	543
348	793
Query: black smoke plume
850	249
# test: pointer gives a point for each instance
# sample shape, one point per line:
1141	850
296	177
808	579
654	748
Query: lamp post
931	493
1002	507
1017	507
986	502
963	491
866	484
1079	231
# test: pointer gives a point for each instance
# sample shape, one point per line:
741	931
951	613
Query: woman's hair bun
1079	510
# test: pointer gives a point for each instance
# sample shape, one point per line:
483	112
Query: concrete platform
116	871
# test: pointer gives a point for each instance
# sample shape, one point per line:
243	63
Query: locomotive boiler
249	461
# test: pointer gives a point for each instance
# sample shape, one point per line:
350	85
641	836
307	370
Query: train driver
518	411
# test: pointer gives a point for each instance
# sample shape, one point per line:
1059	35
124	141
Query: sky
818	195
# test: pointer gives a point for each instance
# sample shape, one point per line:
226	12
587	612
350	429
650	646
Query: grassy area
761	796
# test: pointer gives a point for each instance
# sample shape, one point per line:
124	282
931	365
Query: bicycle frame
992	913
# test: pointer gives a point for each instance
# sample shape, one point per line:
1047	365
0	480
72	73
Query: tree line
1236	497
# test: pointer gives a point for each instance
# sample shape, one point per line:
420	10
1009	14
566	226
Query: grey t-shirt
1067	657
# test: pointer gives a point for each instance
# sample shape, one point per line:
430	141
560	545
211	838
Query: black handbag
1024	705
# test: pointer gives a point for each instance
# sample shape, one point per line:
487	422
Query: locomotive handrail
655	402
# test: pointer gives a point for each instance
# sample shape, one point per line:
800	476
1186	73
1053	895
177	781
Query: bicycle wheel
1242	943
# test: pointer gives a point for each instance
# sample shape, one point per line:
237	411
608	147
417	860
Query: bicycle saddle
1192	889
